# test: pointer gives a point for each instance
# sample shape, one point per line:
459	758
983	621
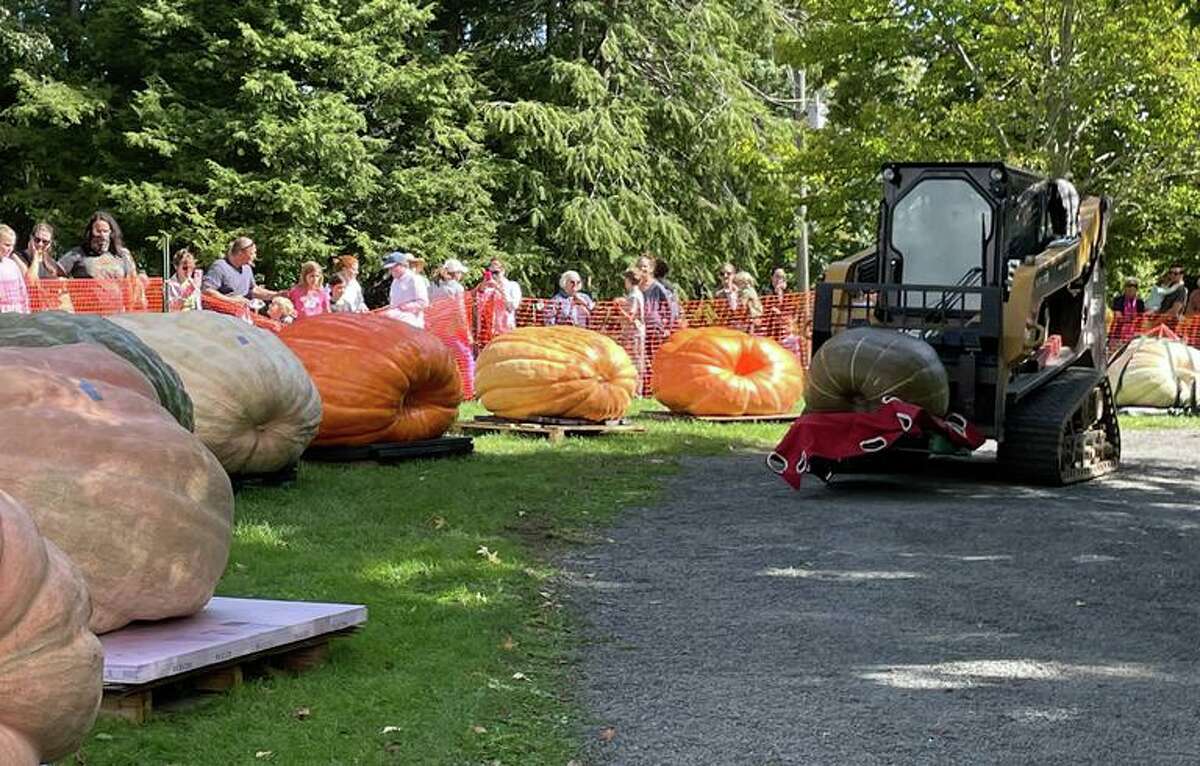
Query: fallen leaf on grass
389	729
104	737
264	754
508	644
608	733
301	713
519	676
490	555
477	729
437	522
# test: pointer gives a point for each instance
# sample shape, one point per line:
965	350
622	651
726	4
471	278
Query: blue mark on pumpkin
243	340
86	387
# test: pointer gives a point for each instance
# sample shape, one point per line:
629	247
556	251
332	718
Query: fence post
166	270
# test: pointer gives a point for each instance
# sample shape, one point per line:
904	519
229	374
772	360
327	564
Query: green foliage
579	133
1107	98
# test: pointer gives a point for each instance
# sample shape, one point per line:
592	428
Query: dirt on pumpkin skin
951	618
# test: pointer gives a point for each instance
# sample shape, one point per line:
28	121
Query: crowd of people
649	309
1173	296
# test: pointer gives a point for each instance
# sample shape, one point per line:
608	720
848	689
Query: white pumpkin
50	663
1156	372
255	406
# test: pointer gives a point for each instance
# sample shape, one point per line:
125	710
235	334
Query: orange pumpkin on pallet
50	663
719	371
560	371
380	380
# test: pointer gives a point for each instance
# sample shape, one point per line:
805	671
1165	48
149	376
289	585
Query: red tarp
832	436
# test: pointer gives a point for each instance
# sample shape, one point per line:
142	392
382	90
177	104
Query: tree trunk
1061	150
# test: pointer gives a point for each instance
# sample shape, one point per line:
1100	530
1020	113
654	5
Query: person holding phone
183	288
510	292
570	305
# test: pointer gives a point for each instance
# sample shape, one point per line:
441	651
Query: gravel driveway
947	619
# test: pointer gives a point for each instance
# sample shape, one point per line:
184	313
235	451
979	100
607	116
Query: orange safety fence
466	323
242	311
1122	330
96	296
786	319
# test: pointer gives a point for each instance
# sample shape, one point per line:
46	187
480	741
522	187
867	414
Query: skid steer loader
999	270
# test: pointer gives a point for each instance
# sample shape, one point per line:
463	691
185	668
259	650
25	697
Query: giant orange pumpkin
719	371
560	371
137	501
380	380
50	663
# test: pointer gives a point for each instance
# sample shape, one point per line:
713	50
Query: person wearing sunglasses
727	291
39	253
570	305
1175	292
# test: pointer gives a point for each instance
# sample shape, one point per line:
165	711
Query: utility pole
800	115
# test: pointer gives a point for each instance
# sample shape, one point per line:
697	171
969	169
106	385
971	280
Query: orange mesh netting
785	319
1122	330
467	323
241	311
96	296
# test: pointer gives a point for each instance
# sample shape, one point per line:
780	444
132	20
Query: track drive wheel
1063	433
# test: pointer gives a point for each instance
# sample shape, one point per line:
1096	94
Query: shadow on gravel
946	617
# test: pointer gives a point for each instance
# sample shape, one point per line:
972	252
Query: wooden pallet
283	477
786	417
393	452
554	429
175	662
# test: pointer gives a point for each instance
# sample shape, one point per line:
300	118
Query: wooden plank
554	433
548	421
684	416
220	680
304	658
134	707
226	630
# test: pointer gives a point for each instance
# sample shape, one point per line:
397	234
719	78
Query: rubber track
1033	430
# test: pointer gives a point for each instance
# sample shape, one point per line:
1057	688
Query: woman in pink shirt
14	296
309	296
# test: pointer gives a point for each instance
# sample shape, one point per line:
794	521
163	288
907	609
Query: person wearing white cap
450	285
409	294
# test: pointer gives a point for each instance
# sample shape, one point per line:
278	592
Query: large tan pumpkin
50	663
86	361
559	371
255	405
1156	371
139	503
855	369
719	371
380	379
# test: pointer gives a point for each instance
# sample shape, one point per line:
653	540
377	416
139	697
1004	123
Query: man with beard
102	253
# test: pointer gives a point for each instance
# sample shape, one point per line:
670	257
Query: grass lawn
465	656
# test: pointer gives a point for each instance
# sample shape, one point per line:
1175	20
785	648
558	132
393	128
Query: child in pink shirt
309	296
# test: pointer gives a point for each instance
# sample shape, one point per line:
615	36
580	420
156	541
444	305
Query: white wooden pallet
209	650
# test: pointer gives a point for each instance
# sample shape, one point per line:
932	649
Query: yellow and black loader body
1000	271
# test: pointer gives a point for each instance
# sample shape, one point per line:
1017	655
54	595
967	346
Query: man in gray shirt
231	279
102	253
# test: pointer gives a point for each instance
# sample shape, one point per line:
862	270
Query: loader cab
965	225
